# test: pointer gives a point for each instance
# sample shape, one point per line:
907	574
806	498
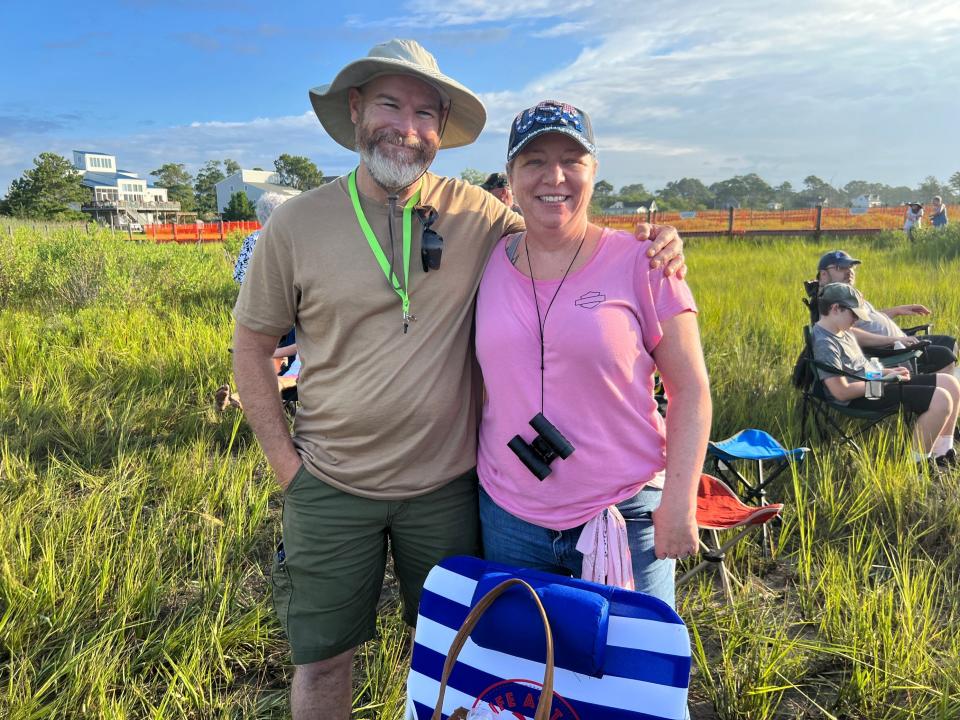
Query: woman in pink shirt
571	325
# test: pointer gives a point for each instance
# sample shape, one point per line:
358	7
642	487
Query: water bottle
873	372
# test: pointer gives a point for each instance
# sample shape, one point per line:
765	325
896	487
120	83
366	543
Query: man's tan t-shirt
383	414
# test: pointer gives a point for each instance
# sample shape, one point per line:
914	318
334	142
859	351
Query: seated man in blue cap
934	398
878	331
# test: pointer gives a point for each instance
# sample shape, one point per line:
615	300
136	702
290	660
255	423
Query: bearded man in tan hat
378	271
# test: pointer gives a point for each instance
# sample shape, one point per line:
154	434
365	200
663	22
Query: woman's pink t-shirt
598	379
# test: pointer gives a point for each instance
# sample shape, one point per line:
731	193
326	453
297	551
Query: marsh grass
137	524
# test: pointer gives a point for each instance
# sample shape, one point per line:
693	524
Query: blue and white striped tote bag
618	654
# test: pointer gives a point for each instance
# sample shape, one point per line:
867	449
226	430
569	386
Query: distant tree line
47	190
752	191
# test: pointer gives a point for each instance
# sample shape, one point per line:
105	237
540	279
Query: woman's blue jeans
510	540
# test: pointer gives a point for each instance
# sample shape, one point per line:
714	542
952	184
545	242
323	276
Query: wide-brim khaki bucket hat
467	115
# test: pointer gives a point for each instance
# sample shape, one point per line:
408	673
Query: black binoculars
431	244
548	445
431	250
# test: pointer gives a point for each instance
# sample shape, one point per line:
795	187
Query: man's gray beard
391	173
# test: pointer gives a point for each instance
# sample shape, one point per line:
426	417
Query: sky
844	90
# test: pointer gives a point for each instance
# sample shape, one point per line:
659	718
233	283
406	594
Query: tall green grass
137	523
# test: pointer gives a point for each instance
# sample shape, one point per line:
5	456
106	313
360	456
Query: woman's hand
675	534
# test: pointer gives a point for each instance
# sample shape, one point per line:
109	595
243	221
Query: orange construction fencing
197	232
886	218
773	222
698	222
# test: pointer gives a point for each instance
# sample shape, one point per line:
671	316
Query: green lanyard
378	251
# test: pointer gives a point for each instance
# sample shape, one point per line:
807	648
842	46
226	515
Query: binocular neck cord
392	198
542	323
391	209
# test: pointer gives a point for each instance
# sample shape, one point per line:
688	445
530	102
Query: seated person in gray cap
934	398
878	331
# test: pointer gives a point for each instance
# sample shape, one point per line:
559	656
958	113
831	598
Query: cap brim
463	125
861	313
849	262
569	132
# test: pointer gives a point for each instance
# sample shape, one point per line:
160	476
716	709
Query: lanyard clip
407	319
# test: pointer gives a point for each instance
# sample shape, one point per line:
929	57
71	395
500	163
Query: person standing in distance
938	218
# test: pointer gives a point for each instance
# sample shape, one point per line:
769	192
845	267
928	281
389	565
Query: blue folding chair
753	446
757	446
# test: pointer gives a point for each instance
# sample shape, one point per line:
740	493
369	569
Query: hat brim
568	131
849	262
330	102
861	313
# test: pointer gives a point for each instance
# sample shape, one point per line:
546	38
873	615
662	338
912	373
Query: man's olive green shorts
328	574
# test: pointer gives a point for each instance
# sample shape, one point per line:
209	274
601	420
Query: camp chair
287	380
889	356
719	509
824	413
748	447
757	446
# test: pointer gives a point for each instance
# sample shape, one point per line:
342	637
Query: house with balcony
253	184
120	198
866	201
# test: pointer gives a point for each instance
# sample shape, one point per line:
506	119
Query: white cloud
442	13
783	89
305	120
620	144
840	89
253	143
561	29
